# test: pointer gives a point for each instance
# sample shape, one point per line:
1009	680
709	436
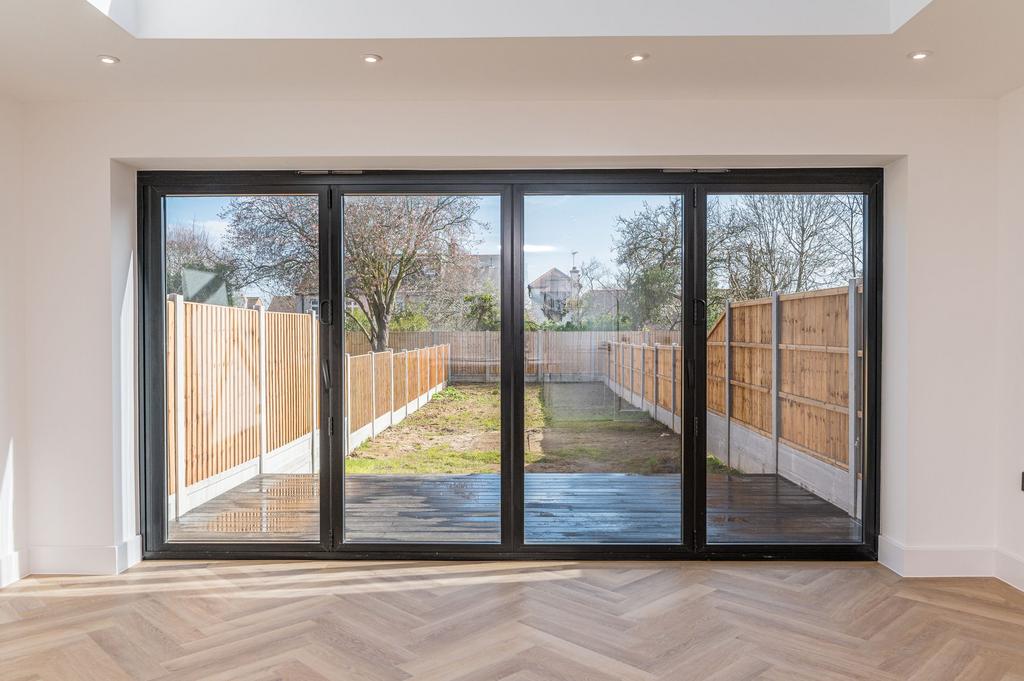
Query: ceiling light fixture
639	57
920	55
372	58
108	59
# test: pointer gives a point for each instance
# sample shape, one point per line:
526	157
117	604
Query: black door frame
694	186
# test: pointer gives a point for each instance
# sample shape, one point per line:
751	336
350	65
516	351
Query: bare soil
570	428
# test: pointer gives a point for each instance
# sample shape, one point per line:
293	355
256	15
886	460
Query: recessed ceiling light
639	56
372	58
920	55
108	59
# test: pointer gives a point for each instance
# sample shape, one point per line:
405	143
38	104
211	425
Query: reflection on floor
325	620
593	508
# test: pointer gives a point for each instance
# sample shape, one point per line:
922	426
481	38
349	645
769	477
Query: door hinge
330	425
696	427
326	312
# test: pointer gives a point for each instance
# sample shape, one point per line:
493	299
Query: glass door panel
603	368
785	368
422	368
241	356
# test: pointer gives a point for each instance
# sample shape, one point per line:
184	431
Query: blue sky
555	226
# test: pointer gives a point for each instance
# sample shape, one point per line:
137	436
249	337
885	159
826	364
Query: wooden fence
787	359
649	377
788	367
385	387
476	355
241	395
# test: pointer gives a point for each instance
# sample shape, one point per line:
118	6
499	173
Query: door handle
700	311
325	374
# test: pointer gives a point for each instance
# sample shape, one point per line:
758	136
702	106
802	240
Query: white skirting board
951	561
85	560
13	566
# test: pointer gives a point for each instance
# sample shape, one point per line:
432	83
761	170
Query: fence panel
401	385
221	389
360	391
382	383
813	382
289	378
814	373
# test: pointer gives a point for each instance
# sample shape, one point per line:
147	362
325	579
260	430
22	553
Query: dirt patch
570	427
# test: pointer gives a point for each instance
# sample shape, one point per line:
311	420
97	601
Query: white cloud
539	248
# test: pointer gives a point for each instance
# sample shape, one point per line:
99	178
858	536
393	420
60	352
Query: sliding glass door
240	303
602	368
422	316
785	367
511	364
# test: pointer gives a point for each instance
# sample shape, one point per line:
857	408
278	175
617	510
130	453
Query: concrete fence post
391	412
345	432
313	384
263	387
853	390
657	382
673	384
728	382
179	405
776	368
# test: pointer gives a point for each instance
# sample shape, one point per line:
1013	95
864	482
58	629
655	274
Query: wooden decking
561	508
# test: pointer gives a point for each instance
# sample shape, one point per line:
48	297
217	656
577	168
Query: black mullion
698	366
693	498
516	333
152	372
511	390
872	427
332	349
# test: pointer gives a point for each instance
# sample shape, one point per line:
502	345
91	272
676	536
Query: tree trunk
380	329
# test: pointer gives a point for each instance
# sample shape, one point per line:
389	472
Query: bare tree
189	246
786	242
648	252
273	241
848	239
393	242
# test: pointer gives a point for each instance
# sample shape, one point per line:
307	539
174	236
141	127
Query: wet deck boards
561	508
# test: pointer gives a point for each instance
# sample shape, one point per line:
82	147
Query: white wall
1010	334
13	451
938	438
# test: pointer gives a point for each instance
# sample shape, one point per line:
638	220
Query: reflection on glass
422	370
241	352
603	369
785	368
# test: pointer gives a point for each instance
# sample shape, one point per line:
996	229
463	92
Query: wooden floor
313	621
561	508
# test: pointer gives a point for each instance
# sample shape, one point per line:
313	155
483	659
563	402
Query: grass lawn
570	428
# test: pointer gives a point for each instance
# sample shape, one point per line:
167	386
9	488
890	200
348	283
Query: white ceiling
358	19
48	52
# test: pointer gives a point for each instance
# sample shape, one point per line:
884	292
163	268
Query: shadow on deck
561	508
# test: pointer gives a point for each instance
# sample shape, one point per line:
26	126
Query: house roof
545	280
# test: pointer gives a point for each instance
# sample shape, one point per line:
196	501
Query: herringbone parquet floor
485	621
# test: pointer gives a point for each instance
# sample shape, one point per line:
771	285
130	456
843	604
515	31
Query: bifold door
472	365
